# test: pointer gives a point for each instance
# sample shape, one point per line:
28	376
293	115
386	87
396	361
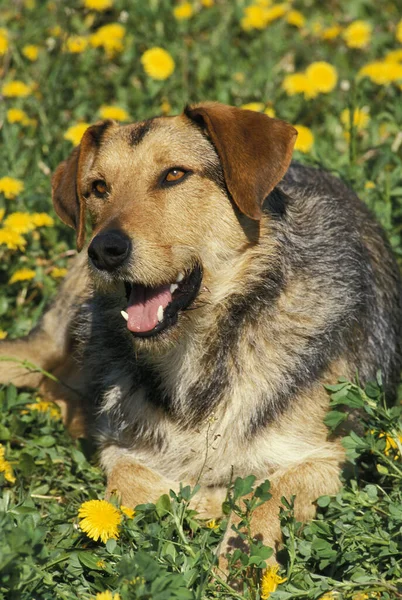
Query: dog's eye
174	175
99	188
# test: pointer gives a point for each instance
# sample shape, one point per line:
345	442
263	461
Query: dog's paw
208	502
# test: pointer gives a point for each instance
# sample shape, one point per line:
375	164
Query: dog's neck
191	377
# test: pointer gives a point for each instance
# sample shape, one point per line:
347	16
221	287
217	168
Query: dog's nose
109	250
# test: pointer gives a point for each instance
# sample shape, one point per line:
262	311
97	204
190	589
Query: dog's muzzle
109	250
152	310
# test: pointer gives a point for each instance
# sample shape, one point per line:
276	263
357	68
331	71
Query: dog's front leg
137	484
307	481
50	344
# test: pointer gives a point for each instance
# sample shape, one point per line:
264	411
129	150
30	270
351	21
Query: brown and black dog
222	287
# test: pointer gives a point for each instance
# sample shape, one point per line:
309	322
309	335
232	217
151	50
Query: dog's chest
212	450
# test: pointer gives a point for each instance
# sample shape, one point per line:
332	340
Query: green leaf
163	505
322	549
4	433
336	387
243	486
261	551
382	469
323	501
90	560
46	441
11	396
334	418
111	545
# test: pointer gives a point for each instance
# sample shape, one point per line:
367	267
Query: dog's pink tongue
143	306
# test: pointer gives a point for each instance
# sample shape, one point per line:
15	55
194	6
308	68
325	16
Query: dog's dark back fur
352	259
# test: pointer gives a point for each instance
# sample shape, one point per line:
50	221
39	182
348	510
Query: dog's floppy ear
254	150
66	181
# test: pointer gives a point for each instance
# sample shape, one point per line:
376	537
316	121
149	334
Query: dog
223	286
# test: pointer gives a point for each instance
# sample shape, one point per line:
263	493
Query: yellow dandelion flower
361	118
316	27
392	444
3	41
112	30
58	272
129	512
110	38
304	140
270	581
157	63
12	239
255	106
207	3
369	185
329	596
183	11
394	56
323	76
75	132
16	89
360	596
99	519
31	52
98	5
270	112
3	334
5	466
106	596
55	31
330	33
299	83
11	187
101	564
239	77
22	275
114	112
296	18
46	407
2	212
275	12
254	18
358	34
260	15
398	31
42	220
382	72
16	115
75	44
212	524
165	107
20	222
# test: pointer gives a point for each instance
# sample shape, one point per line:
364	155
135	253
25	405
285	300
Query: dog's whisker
197	305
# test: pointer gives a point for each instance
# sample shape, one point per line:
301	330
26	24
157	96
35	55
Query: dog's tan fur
216	219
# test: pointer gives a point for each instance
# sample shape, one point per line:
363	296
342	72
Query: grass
353	549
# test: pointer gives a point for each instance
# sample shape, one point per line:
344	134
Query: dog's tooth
124	315
173	288
159	314
180	277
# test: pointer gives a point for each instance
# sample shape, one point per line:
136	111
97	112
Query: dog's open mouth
151	310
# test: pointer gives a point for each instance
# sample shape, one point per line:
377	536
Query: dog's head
172	201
